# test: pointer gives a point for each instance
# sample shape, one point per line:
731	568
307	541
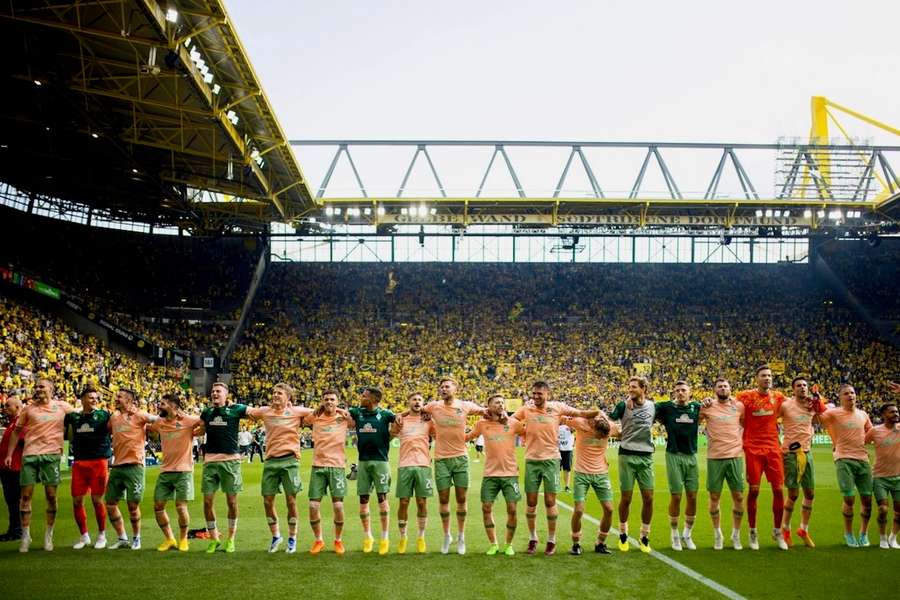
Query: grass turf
252	573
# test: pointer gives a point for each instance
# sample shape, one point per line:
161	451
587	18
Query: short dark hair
541	385
886	406
722	379
175	399
130	392
416	393
88	389
374	392
763	367
844	386
331	392
681	382
800	377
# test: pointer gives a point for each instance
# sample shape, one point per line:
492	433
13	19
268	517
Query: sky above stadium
579	70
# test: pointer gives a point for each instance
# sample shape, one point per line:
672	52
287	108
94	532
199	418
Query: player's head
371	396
601	425
13	405
415	401
722	389
282	393
90	397
681	391
497	405
448	388
764	377
169	405
890	413
800	387
43	390
219	394
847	396
330	400
126	400
637	387
540	393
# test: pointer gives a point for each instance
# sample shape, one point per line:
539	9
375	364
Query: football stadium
284	314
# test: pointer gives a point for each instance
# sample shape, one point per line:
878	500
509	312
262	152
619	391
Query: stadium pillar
752	244
514	239
393	239
693	246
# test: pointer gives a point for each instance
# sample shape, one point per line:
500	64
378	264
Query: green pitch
252	573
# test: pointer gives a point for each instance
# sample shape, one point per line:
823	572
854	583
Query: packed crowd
870	273
581	327
36	344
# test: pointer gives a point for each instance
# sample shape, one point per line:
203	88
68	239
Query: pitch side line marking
727	592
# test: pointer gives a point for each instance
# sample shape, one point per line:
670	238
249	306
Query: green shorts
853	474
225	474
719	470
281	473
174	485
682	472
546	471
450	472
635	467
323	480
126	482
492	486
585	482
373	473
414	481
886	488
40	468
793	480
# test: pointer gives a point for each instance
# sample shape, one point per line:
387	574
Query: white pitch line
715	585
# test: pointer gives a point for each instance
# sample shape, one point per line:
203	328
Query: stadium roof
133	107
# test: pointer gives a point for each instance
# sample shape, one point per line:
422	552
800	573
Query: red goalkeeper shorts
769	462
90	475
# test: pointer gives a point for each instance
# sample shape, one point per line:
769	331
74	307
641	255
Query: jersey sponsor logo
367	428
448	422
592	441
541	419
802	418
763	412
684	418
85	428
219	421
497	437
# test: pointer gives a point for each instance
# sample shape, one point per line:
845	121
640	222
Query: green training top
90	439
222	426
681	423
373	436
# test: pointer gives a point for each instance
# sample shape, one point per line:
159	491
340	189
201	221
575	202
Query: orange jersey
329	435
415	441
796	419
542	429
45	425
761	420
129	437
450	426
282	429
499	446
723	429
590	447
177	438
847	429
887	450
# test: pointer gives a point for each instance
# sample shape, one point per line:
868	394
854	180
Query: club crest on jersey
378	416
458	411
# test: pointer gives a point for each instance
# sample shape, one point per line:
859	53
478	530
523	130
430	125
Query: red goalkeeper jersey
761	420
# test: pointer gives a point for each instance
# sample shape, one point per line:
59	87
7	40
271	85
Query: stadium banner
716	221
643	369
22	280
777	366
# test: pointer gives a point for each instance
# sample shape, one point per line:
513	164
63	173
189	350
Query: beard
163	413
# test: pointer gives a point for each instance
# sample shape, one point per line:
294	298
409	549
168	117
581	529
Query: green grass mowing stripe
727	592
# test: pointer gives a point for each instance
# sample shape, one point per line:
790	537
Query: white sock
384	535
551	538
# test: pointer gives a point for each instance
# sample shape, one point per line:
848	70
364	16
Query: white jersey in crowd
566	439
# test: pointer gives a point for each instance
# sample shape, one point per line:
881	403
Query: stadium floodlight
312	219
367	212
329	212
807	213
134	171
786	214
172	15
423	209
195	54
821	214
187	43
403	211
337	212
208	78
759	212
381	211
37	82
835	215
777	214
433	211
216	89
768	212
94	135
